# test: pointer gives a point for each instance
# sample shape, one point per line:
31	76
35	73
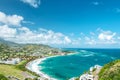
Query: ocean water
66	67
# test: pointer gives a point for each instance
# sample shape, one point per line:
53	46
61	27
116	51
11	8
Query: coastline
33	66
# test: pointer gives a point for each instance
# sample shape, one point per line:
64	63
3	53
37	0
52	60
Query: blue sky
61	23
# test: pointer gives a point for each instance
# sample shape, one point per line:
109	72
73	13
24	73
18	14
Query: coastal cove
67	66
59	40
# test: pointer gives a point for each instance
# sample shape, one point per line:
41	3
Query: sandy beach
33	66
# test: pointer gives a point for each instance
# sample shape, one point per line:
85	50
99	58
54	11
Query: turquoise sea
66	67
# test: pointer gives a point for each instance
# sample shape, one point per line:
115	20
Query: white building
11	61
86	77
97	67
89	76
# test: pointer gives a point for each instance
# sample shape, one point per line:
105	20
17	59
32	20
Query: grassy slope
9	70
15	70
110	71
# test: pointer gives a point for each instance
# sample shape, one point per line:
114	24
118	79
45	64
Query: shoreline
33	66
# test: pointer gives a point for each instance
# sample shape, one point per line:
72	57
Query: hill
110	71
24	52
9	43
11	50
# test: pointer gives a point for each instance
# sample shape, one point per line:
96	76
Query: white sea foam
33	66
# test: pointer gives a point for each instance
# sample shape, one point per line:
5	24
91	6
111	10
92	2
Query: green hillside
12	50
110	71
26	52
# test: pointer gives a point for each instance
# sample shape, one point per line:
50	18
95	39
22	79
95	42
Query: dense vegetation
110	71
2	77
21	66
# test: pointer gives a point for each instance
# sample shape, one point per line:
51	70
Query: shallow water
66	67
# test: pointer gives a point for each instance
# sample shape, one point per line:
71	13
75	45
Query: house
86	77
89	76
97	67
11	61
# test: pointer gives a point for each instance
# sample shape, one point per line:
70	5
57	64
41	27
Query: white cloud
33	3
47	37
14	20
106	35
87	38
92	33
96	3
118	38
28	22
67	40
91	42
101	38
6	32
25	35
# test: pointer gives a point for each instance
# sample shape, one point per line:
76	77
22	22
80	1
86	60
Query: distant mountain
9	43
12	49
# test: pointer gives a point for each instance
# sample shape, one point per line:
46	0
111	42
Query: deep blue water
65	67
